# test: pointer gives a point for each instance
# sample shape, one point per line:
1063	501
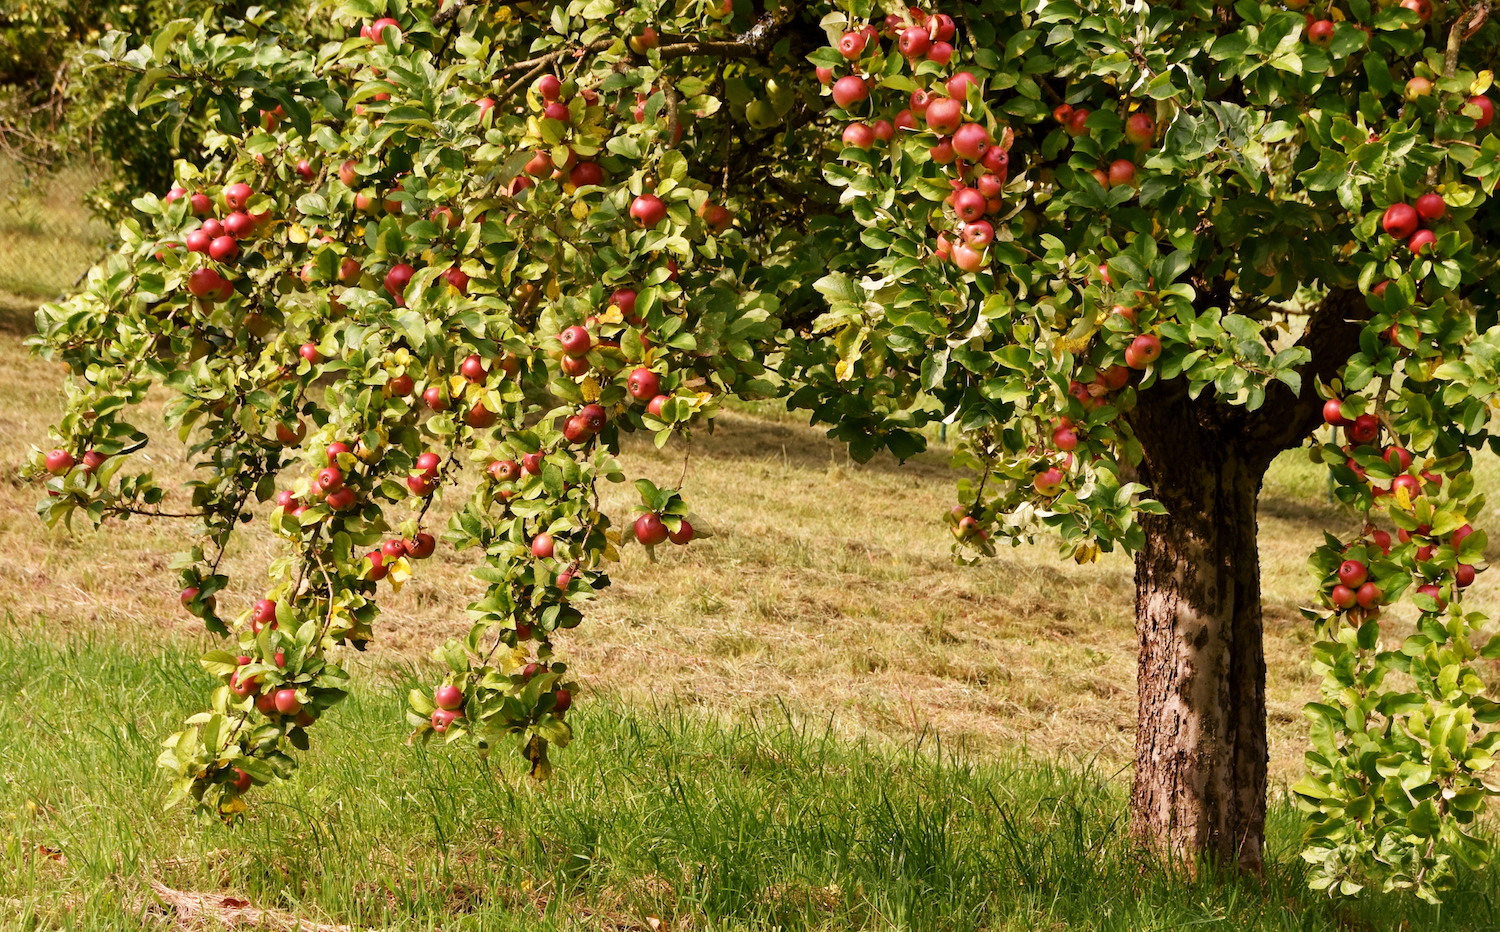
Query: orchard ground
813	719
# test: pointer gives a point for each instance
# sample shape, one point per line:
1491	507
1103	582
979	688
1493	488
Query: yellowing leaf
1086	553
233	806
610	553
1403	498
844	370
1482	82
580	210
590	389
612	315
400	572
297	233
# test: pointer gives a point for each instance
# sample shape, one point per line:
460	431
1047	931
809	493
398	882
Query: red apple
543	546
852	45
968	204
1332	414
564	701
59	462
504	470
1078	122
1369	595
449	697
1144	350
472	368
402	385
434	398
850	90
1423	9
1048	482
1398	458
1430	207
1352	573
1463	575
1342	597
1486	110
971	140
1320	32
859	136
421	546
286	702
263	614
944	116
648	210
236	196
646	40
480	417
643	384
1400	220
341	500
914	42
203	282
1420	241
682	535
1140	129
1365	429
575	340
650	530
397	278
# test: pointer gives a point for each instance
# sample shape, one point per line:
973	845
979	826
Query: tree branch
1332	336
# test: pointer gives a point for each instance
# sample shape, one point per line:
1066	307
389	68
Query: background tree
55	110
1130	251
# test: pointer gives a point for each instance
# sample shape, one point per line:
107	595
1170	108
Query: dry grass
828	585
46	239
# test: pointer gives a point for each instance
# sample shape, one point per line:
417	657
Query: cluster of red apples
1140	132
1413	223
977	165
1355	587
218	239
551	103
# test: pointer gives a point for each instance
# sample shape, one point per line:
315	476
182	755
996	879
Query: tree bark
1201	753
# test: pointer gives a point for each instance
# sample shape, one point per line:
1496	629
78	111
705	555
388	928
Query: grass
46	239
658	812
813	719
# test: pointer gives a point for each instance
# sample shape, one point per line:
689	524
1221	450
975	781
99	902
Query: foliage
1182	199
55	110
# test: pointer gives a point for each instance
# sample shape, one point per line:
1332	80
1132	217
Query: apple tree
1129	251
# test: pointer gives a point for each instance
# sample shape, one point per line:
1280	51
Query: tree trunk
1200	766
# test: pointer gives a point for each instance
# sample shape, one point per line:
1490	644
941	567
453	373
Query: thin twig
671	95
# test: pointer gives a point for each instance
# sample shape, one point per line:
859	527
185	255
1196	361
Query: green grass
655	812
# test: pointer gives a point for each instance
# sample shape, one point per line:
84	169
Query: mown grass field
813	719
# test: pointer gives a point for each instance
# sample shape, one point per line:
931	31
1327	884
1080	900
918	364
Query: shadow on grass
18	315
